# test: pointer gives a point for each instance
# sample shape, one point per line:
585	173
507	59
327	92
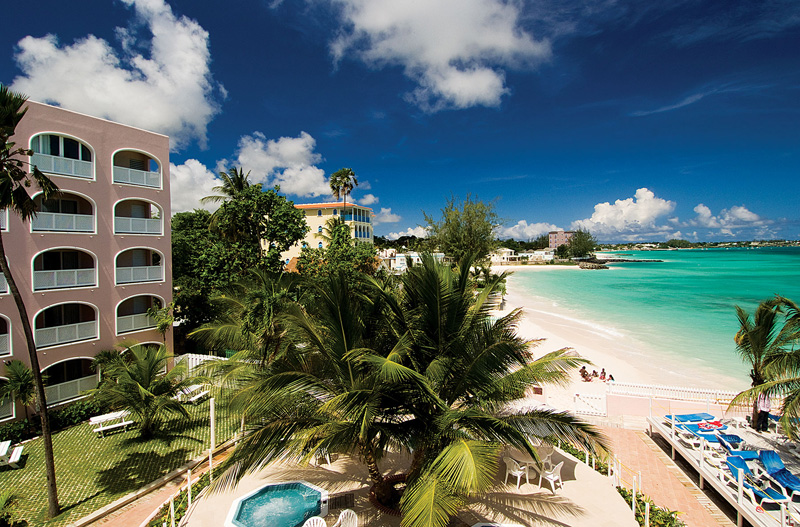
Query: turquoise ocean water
682	308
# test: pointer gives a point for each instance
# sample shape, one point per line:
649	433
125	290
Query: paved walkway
663	481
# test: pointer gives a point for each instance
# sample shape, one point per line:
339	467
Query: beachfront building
92	261
538	256
558	238
358	217
397	263
504	256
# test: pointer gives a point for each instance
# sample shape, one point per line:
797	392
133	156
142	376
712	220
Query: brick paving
664	481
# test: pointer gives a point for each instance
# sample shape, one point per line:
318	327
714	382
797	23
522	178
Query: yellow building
358	217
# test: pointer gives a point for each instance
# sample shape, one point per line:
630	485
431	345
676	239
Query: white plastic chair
513	468
321	455
546	455
347	518
315	521
553	476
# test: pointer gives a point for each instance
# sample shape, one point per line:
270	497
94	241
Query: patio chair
514	468
552	476
347	518
752	485
321	455
315	521
546	455
733	445
778	474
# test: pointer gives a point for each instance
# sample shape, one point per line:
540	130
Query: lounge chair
692	435
315	521
778	474
689	418
347	518
752	488
733	445
514	468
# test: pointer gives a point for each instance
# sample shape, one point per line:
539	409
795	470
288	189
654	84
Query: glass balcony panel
65	391
64	334
134	322
63	278
62	165
143	273
60	222
132	176
3	284
4	348
137	225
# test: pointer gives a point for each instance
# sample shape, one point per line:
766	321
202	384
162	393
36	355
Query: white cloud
452	49
171	91
632	217
525	231
287	161
368	199
386	216
729	221
189	182
419	232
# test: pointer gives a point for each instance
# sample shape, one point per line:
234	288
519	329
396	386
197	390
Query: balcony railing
4	349
62	165
132	176
59	222
63	278
3	284
352	217
64	391
65	334
143	273
136	225
6	408
128	323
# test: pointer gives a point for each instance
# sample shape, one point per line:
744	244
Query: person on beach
603	374
764	406
610	378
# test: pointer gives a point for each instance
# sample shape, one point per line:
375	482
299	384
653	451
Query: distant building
359	219
558	238
503	255
538	256
397	263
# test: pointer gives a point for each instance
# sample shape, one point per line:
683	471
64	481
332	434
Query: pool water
279	505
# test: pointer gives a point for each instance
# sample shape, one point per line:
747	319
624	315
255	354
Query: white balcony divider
62	165
7	408
59	222
137	225
132	176
4	344
63	278
128	323
143	273
3	284
64	334
58	393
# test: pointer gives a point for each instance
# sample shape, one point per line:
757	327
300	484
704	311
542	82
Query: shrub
658	517
181	502
70	415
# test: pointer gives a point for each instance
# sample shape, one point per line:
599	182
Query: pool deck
600	504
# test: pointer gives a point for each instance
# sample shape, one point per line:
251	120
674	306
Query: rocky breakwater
592	265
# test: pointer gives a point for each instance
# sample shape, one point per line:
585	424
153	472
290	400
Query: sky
638	120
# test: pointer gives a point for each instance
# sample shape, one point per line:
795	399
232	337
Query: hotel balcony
3	284
65	323
62	156
62	269
139	265
137	217
5	347
69	380
69	213
136	168
132	314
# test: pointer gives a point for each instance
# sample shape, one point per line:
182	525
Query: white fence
193	360
674	393
590	404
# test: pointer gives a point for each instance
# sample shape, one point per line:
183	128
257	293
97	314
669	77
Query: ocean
679	311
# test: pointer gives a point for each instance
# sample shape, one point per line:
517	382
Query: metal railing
63	165
142	273
132	176
63	278
56	335
675	393
58	393
60	222
124	225
136	322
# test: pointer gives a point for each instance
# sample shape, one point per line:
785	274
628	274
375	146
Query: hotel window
334	212
55	145
319	229
320	245
319	212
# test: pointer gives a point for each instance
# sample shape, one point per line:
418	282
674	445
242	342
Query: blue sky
637	120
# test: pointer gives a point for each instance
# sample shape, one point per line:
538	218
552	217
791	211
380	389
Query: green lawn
92	472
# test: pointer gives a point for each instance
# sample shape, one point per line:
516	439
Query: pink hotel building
94	260
558	238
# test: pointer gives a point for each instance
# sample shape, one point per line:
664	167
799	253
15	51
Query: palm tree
234	181
20	385
144	388
342	183
8	507
164	318
14	184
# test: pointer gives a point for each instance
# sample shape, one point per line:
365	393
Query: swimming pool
287	504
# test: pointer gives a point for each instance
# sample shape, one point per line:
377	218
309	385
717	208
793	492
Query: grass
92	472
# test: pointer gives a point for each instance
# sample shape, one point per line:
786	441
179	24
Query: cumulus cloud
736	217
628	218
452	49
189	182
419	232
386	216
525	231
287	161
168	90
368	199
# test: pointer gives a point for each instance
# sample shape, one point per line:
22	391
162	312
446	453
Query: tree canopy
581	244
465	228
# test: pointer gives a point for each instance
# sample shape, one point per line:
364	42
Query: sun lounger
733	445
689	418
196	398
15	456
778	474
693	437
752	488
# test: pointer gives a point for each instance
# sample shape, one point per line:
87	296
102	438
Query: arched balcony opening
136	168
139	265
68	380
132	313
5	337
136	216
62	156
65	323
67	213
64	268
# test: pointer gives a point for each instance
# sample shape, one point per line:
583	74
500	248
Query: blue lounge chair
777	472
757	495
692	435
690	418
733	443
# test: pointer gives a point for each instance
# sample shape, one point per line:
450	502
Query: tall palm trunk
49	459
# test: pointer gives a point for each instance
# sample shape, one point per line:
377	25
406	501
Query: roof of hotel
329	205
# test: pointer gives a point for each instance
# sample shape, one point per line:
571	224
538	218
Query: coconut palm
144	388
20	384
15	181
342	183
234	181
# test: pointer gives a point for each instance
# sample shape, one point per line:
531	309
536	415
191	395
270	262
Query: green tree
164	318
144	388
20	385
14	184
466	229
675	242
342	183
234	181
581	244
562	251
540	242
343	255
